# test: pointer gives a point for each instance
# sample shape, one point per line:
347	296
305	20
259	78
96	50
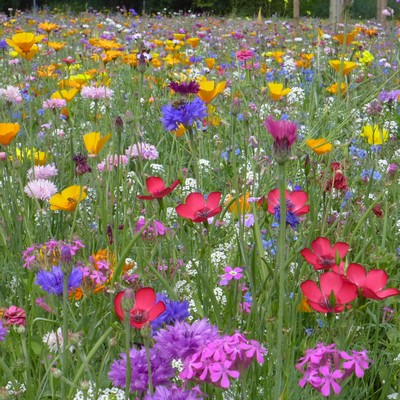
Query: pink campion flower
230	273
322	255
295	206
284	135
357	362
333	295
220	373
328	380
197	209
156	187
372	283
14	316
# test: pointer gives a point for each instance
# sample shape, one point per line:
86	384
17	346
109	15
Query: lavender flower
389	97
96	92
52	281
175	393
185	113
146	151
40	189
3	331
161	370
42	172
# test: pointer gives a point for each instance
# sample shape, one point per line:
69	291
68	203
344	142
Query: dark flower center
204	213
138	316
326	261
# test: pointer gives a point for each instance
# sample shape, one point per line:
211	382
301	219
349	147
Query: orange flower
56	45
208	90
210	62
348	66
94	142
334	88
349	37
304	306
193	42
240	206
319	146
276	91
24	41
68	199
48	26
8	131
67	95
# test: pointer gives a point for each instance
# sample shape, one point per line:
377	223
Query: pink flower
96	92
372	283
244	54
54	104
230	273
41	189
198	209
14	316
329	379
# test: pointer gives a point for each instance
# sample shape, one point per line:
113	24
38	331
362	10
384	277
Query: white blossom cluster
102	394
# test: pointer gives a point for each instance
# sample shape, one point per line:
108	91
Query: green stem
127	327
280	270
146	345
64	358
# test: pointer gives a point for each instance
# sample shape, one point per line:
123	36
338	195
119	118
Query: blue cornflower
376	148
362	153
3	44
348	195
52	281
291	218
247	297
185	113
376	176
175	311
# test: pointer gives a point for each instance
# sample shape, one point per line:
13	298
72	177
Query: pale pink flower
41	189
96	92
54	104
11	94
42	172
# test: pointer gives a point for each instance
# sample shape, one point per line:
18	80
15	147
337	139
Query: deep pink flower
156	187
372	283
14	316
244	55
198	209
333	295
145	308
323	255
328	379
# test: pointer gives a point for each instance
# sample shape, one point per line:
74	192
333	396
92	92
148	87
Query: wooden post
296	12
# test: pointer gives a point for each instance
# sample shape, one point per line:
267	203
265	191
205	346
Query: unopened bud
119	124
128	300
85	386
236	106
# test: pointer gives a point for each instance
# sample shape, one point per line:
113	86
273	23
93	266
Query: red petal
195	201
302	211
356	274
117	305
376	279
309	256
213	200
158	309
175	184
299	199
311	290
318	307
145	298
185	212
347	293
342	248
273	198
330	282
154	184
321	246
381	294
145	197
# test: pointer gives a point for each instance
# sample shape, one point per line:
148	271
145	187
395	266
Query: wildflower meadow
198	207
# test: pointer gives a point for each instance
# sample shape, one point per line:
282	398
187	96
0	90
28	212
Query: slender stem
127	351
280	270
64	357
146	345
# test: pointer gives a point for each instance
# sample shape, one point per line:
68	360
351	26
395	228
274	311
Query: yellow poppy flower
39	157
179	36
210	62
68	199
240	206
48	26
67	95
208	90
8	131
319	146
94	142
349	37
348	66
276	91
335	87
375	136
193	42
56	45
277	55
28	55
24	41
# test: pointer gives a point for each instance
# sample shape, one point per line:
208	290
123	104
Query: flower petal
213	200
145	298
356	274
154	184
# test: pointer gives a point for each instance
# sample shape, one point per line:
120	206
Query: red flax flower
156	187
323	255
295	206
144	310
339	181
372	283
333	295
284	135
198	209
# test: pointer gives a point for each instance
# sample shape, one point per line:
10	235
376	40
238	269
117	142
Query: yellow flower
240	206
67	95
208	90
348	66
39	157
56	45
178	132
94	142
8	131
349	37
210	62
193	42
179	36
319	146
366	57
277	55
334	88
375	136
276	91
48	26
303	305
29	54
68	199
24	41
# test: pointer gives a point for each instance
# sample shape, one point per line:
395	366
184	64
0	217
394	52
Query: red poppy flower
144	310
371	283
156	187
323	255
198	209
334	294
295	205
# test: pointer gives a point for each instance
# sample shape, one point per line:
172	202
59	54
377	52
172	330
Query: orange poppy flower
24	41
349	37
319	146
193	42
68	199
209	91
335	87
94	142
348	66
48	26
8	131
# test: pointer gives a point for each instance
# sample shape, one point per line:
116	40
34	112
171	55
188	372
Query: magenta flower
329	379
230	273
357	362
284	135
198	209
220	372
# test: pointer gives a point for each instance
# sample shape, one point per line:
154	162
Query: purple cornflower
175	311
3	331
146	151
389	97
161	370
284	135
175	393
191	87
230	273
181	340
52	281
40	189
185	113
42	172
